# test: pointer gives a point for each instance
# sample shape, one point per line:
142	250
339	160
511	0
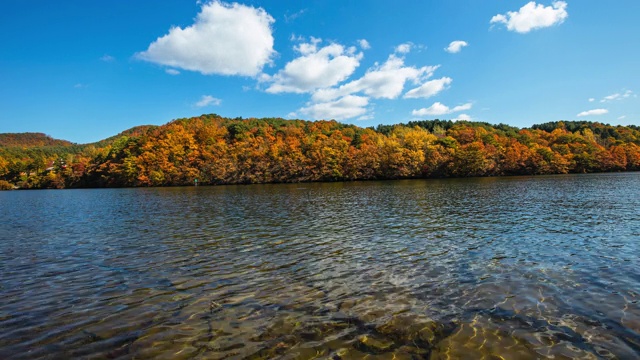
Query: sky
86	70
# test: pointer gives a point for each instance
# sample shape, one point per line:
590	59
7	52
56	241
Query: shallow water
521	267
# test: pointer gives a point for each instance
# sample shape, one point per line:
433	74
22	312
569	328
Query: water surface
521	267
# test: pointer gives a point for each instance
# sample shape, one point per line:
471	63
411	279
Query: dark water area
512	268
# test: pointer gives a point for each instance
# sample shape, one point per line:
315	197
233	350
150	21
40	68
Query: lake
516	267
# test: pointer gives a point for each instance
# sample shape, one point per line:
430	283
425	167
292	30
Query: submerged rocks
473	341
372	344
413	328
485	336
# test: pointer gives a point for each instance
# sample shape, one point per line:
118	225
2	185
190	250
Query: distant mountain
34	139
29	140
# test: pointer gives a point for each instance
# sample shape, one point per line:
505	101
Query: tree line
214	150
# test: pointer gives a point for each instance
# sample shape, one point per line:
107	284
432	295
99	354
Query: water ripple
523	267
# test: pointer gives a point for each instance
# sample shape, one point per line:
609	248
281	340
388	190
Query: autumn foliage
216	150
30	140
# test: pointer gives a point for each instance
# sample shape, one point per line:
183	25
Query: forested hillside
216	150
30	140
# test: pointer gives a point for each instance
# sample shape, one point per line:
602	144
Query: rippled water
523	267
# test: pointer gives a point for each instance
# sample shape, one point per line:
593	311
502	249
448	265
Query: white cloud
226	39
291	17
611	97
440	109
344	108
315	68
380	81
107	58
80	86
172	71
533	16
429	88
324	71
455	46
403	48
618	96
463	117
207	100
592	99
622	117
364	44
593	112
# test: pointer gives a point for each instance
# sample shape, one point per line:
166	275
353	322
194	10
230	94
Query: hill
217	150
134	131
30	140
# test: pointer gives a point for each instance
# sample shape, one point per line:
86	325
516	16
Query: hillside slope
30	140
216	150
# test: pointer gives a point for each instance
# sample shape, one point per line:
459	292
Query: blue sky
86	70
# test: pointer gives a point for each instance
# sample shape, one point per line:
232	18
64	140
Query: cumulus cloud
429	88
455	46
618	96
172	71
403	48
324	71
344	108
316	67
533	16
440	109
463	117
364	44
226	39
380	81
592	99
593	112
207	100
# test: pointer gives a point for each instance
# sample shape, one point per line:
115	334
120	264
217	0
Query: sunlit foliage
216	150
